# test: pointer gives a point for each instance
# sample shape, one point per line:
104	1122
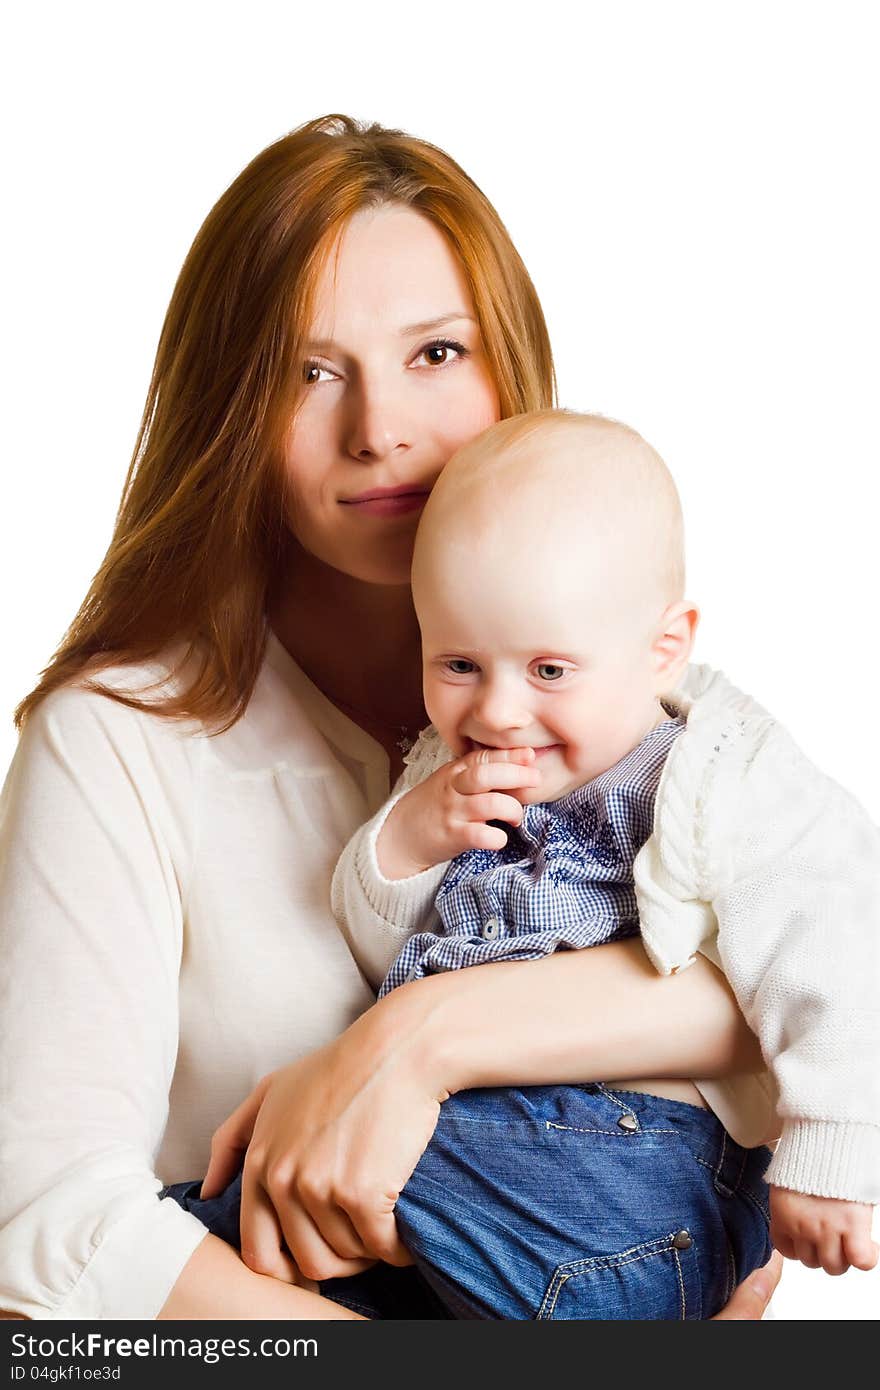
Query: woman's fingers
314	1255
230	1142
328	1223
337	1137
262	1240
377	1230
749	1302
329	1240
783	1243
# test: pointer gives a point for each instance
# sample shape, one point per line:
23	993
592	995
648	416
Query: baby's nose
499	709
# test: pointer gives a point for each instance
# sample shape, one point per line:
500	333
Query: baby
548	578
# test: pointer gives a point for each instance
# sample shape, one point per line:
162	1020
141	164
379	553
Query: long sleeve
377	915
97	838
762	856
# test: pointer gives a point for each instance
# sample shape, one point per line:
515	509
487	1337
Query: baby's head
548	579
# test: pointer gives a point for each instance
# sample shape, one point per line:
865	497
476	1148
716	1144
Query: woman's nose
378	422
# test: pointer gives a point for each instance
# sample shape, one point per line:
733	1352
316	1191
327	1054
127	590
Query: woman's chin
385	573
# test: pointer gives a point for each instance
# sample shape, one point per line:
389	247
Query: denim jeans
383	1292
565	1202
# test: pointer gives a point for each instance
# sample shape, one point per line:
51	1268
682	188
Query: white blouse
166	939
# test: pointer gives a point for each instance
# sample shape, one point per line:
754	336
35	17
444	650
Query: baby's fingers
832	1254
805	1250
494	806
496	769
480	836
784	1243
860	1250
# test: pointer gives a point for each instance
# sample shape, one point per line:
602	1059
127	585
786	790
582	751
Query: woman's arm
91	871
332	1140
575	1016
215	1283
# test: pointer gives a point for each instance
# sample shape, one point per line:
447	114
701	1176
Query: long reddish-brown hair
200	525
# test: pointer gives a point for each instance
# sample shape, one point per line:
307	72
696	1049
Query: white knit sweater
771	870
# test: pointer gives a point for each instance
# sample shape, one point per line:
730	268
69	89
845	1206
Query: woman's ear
672	645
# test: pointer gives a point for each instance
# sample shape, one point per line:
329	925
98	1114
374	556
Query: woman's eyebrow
328	345
429	325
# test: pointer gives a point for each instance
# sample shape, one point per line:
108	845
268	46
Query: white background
693	187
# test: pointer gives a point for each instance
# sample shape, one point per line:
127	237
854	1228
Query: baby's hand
447	813
822	1232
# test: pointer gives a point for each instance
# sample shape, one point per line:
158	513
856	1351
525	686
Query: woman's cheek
474	407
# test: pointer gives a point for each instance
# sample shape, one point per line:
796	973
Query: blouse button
491	929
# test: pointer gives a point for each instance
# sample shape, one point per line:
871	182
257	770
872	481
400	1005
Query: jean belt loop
729	1166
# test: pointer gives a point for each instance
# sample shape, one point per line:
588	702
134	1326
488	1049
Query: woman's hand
331	1140
337	1135
749	1302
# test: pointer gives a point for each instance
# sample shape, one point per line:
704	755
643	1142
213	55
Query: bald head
579	500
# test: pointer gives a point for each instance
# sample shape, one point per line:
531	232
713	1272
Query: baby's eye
459	666
549	671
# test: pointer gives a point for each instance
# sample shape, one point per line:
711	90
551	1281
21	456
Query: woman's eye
313	373
442	352
549	671
460	667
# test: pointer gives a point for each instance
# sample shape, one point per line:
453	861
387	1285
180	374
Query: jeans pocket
657	1280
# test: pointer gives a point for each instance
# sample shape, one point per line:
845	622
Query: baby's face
536	659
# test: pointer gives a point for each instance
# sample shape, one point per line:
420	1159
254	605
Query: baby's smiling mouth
538	749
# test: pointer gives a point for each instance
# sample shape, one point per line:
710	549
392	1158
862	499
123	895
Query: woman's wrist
435	1027
413	1027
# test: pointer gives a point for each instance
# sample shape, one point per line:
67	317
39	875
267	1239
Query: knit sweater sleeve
95	848
377	915
756	848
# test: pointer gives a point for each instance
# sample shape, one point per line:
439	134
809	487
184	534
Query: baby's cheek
448	724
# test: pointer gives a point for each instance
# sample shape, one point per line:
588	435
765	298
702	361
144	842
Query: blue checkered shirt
563	880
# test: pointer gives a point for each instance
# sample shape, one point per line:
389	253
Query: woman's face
396	381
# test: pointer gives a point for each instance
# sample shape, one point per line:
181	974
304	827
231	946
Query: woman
231	701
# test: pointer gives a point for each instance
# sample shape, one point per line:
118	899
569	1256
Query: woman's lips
388	501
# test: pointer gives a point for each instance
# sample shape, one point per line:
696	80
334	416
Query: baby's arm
798	934
387	876
791	866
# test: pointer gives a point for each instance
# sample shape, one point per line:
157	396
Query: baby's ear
672	645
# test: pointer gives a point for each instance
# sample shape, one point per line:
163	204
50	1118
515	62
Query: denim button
491	929
628	1122
682	1240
